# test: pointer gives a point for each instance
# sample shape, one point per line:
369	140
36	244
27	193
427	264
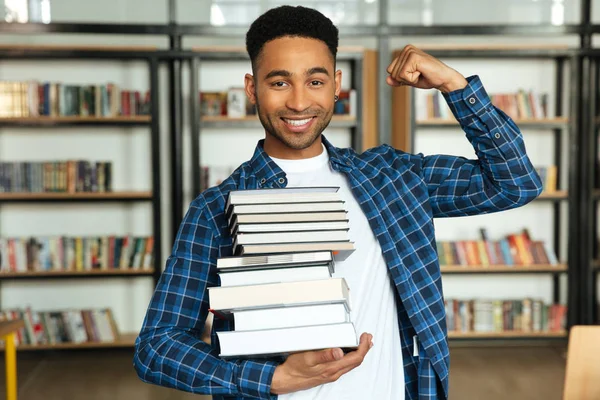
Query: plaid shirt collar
269	174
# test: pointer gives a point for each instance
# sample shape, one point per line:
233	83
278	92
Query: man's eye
279	84
316	83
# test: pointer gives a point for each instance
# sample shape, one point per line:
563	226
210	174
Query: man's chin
299	141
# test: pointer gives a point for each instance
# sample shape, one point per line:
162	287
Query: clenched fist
416	68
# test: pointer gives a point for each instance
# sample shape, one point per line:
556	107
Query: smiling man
391	198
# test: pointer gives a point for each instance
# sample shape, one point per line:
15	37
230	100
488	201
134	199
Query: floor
516	373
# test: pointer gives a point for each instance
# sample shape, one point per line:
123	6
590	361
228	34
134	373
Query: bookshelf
87	273
127	208
81	196
503	269
61	121
545	123
507	335
126	340
552	133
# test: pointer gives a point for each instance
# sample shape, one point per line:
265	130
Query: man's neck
277	149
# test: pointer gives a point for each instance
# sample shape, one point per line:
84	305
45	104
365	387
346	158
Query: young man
392	198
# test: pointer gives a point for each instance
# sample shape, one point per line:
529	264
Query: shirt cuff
468	102
254	379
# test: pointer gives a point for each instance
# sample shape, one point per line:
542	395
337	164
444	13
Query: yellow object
10	359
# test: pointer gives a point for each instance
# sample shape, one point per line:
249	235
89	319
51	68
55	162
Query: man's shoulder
211	202
384	154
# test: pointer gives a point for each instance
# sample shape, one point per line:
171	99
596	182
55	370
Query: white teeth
298	122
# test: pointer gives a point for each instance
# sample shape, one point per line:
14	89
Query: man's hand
308	369
415	68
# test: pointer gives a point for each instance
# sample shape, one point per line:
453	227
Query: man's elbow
519	196
532	190
142	362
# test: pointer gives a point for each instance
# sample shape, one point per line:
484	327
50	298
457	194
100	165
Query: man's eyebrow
317	70
279	72
287	74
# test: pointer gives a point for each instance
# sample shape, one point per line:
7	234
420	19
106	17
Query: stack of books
278	286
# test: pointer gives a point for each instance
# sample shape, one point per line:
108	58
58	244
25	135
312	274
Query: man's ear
250	88
338	82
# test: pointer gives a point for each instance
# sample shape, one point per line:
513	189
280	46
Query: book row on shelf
54	99
79	254
69	176
235	104
63	326
520	105
496	316
516	249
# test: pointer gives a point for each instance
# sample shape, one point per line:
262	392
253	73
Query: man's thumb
329	355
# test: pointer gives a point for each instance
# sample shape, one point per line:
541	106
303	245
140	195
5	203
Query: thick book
224	300
278	342
289	317
265	261
263	276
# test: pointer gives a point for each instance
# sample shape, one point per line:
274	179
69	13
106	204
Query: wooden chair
582	378
8	330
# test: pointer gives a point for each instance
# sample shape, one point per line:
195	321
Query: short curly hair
292	21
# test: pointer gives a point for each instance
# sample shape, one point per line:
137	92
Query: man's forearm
181	361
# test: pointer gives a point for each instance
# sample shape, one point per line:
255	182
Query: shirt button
472	100
262	181
348	163
281	180
497	136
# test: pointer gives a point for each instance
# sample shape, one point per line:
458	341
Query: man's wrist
278	380
254	378
456	83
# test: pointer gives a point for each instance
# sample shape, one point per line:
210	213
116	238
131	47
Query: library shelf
503	269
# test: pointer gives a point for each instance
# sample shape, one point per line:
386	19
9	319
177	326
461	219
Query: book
290	237
282	195
291	227
264	261
287	217
224	300
287	208
341	250
262	276
269	342
289	317
277	287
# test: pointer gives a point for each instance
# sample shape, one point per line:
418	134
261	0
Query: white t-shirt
381	375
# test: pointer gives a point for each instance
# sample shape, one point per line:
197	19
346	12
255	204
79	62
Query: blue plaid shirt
400	194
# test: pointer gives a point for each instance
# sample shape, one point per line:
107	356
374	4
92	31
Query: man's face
294	89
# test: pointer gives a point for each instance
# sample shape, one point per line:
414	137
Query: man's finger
324	356
392	82
355	357
391	67
408	50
